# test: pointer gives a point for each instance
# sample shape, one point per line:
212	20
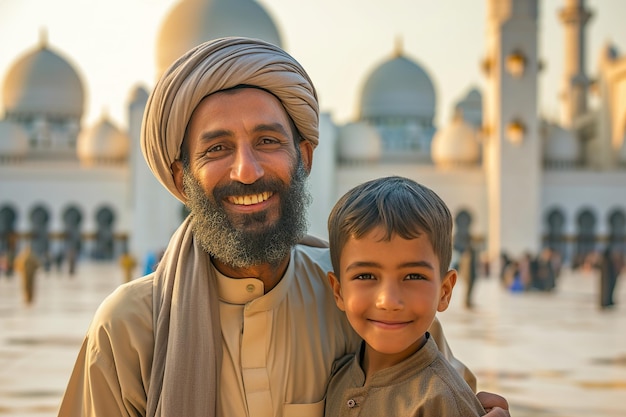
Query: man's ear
306	150
447	284
177	172
336	286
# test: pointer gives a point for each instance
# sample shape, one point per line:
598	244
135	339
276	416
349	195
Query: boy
390	246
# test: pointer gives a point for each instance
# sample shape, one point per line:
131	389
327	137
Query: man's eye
216	148
269	141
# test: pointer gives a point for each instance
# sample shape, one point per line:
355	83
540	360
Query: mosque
515	180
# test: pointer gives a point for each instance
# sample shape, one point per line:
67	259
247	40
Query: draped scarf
187	333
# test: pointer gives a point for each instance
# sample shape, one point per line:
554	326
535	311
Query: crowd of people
531	273
542	272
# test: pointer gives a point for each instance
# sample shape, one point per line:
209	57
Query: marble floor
553	354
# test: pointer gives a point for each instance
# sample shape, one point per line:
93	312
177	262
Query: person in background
238	319
27	265
128	264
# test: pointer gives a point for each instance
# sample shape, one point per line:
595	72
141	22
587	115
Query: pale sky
339	42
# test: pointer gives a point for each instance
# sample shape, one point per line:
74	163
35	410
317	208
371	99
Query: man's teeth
247	200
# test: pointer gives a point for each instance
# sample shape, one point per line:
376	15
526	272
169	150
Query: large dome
398	87
192	22
42	82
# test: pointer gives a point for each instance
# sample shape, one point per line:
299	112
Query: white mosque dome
13	141
102	143
192	22
455	144
43	82
359	142
398	87
560	147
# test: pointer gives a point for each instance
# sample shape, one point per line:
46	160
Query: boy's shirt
424	384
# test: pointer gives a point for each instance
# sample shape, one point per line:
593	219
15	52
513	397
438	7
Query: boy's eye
415	277
364	277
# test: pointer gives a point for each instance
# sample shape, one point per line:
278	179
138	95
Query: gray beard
248	241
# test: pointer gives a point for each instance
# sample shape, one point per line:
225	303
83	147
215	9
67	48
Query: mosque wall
26	187
521	194
461	188
601	192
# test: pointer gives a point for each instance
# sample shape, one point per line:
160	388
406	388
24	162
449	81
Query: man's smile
247	200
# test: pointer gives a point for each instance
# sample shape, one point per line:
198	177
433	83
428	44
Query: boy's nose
389	298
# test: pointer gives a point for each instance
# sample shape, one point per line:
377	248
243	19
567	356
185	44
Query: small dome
472	107
138	95
560	146
455	144
42	82
359	142
608	53
398	87
13	141
192	22
102	143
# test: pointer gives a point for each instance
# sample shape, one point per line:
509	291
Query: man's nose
389	297
246	167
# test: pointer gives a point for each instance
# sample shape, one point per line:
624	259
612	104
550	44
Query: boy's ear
336	286
447	284
177	173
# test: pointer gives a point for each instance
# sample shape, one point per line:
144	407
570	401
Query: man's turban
211	67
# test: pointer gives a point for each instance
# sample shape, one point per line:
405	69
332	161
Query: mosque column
512	157
322	180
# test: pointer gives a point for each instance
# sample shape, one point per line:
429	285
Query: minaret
575	83
512	158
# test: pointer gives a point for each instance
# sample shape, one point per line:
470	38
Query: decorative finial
43	38
398	47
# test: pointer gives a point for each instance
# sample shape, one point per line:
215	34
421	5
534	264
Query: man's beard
245	243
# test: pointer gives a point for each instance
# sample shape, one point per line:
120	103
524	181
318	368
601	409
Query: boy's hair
401	206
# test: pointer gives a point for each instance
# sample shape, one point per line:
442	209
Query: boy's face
391	290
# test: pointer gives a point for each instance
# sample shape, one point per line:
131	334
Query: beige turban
214	66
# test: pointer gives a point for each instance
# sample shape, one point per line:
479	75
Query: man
237	319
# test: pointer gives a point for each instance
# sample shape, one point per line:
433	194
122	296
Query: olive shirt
278	348
422	385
